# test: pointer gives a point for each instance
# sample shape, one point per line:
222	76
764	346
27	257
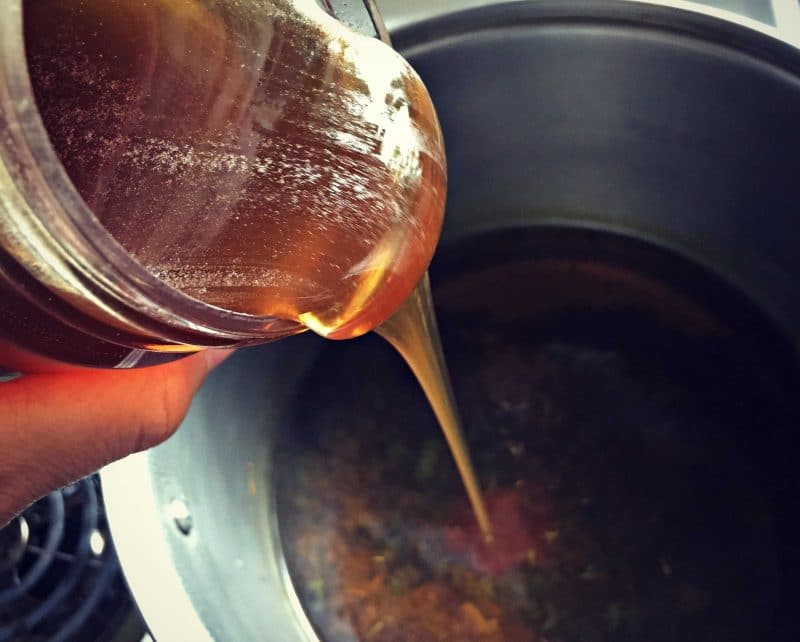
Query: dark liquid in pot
630	444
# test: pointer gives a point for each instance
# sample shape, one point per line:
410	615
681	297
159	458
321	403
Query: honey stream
414	333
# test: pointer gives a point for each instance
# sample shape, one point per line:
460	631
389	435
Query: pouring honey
261	158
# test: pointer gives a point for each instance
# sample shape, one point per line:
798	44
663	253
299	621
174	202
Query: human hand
58	426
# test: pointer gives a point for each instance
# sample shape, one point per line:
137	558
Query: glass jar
73	292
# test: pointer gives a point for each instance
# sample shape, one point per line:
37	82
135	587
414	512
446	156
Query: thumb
56	428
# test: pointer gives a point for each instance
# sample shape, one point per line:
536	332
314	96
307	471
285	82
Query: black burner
60	579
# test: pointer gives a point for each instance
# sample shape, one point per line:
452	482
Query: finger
56	428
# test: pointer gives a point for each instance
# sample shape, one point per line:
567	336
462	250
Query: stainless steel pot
670	122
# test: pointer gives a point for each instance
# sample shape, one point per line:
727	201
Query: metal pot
673	123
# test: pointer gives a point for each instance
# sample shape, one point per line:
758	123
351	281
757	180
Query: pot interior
626	412
617	286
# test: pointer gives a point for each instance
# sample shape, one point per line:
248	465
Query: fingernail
216	356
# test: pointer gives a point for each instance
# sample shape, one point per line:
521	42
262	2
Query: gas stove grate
60	579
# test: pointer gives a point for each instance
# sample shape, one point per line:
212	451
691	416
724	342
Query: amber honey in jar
176	176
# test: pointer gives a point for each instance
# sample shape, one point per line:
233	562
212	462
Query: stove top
60	580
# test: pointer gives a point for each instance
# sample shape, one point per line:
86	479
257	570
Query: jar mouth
64	216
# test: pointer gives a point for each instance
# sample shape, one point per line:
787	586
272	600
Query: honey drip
259	157
414	333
